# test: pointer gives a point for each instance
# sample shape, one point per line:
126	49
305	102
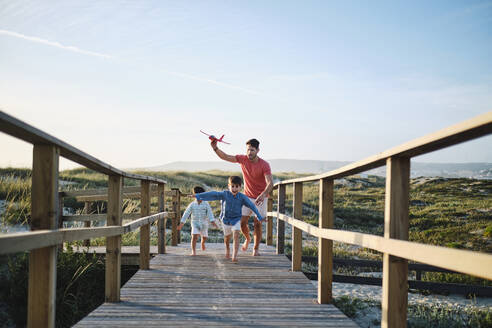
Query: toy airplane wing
212	137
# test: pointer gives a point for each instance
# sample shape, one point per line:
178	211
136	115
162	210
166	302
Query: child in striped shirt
201	213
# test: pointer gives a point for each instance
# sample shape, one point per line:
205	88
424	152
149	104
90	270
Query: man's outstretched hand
213	143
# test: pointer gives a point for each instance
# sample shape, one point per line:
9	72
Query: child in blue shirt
230	214
201	214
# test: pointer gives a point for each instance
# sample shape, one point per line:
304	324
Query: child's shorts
246	211
228	229
198	228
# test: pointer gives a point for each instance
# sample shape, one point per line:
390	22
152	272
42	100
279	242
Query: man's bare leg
257	233
227	239
235	244
204	239
245	231
194	238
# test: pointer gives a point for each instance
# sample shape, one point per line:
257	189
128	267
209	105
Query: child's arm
210	195
252	206
185	217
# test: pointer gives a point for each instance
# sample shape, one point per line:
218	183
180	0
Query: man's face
234	188
251	152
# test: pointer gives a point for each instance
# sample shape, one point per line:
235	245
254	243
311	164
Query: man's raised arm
221	154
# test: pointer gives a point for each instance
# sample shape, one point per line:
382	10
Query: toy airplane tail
221	137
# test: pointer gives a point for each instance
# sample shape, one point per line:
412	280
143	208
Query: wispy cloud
55	44
106	56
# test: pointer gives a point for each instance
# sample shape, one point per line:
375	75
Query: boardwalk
207	290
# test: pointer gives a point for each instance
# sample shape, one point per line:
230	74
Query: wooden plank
269	225
145	229
395	269
24	241
325	246
87	224
280	223
161	224
102	217
209	291
296	232
178	214
473	263
41	303
113	244
174	222
26	132
473	128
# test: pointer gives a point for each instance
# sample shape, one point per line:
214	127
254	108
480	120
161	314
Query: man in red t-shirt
258	184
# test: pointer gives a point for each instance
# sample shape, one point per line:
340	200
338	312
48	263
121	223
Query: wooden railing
396	248
46	216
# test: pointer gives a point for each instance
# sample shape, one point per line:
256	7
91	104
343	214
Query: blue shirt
231	208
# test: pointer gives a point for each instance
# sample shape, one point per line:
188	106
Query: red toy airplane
212	137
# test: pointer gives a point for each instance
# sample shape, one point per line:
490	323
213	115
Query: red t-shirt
254	175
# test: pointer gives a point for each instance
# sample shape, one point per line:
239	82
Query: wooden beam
269	230
296	232
87	224
471	129
41	303
467	262
145	229
113	244
395	269
102	217
325	246
174	222
161	225
280	223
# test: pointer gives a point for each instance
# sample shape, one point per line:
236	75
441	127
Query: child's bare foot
246	244
227	256
234	260
256	252
193	254
203	246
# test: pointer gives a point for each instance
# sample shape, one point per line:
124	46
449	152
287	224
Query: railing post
280	223
178	213
269	228
145	229
87	224
113	244
395	269
42	261
325	246
161	224
297	233
175	219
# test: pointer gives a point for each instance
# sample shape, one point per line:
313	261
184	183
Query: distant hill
447	170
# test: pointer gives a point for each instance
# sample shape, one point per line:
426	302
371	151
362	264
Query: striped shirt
200	213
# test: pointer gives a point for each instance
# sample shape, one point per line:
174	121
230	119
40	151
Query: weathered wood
395	269
102	217
209	291
471	129
145	229
26	132
25	241
280	223
41	301
296	232
87	224
473	263
178	213
325	246
269	224
161	224
113	244
174	222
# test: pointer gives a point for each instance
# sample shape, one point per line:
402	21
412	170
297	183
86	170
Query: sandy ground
371	316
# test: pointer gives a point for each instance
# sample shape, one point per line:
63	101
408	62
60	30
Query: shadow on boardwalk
207	290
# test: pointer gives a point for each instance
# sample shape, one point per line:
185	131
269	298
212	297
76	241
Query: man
258	183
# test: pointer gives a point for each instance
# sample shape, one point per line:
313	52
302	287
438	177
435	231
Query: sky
133	82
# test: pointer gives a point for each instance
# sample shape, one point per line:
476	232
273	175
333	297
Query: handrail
26	132
473	128
467	262
25	241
